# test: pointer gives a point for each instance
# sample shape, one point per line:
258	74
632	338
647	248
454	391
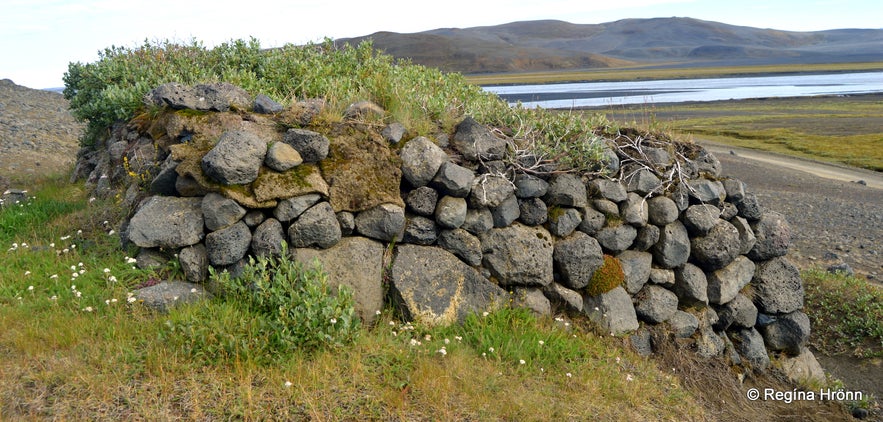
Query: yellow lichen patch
300	180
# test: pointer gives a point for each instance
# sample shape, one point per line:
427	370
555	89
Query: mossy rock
300	180
606	278
361	170
190	157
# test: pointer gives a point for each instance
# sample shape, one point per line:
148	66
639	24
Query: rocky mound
664	242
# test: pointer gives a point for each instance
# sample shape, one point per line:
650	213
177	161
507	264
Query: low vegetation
846	314
424	99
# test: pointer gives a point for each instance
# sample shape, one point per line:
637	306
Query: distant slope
551	45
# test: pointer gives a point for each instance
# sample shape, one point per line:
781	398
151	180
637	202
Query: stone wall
215	176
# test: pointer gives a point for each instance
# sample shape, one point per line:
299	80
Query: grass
843	130
73	347
846	314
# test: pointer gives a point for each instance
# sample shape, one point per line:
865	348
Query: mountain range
661	42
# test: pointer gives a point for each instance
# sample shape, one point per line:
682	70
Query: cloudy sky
38	38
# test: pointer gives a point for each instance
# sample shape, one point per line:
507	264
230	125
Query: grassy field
844	130
73	347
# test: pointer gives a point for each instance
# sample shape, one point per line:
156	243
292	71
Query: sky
39	38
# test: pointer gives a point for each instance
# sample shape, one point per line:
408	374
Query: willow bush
424	99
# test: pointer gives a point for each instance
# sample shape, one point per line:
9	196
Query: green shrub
606	278
846	314
275	307
424	99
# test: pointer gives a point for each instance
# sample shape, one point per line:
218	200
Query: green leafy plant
277	306
606	278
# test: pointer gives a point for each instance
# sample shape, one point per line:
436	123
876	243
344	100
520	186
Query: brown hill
551	44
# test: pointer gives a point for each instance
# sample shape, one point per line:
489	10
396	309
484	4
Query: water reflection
603	94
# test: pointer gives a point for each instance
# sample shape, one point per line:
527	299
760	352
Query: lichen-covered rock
194	263
532	211
518	255
634	210
357	263
476	142
228	245
749	207
362	171
563	221
490	191
613	311
421	160
433	287
385	222
607	189
219	96
739	312
577	258
778	286
236	159
617	238
299	180
317	226
167	222
699	219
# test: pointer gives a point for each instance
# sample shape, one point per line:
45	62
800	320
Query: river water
606	94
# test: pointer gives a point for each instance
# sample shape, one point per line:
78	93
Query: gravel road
834	217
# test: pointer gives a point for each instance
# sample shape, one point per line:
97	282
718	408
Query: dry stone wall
216	177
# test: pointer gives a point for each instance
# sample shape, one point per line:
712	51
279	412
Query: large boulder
218	96
490	191
462	244
616	238
236	159
362	171
661	210
739	312
267	238
787	333
167	222
357	263
655	304
476	142
518	255
453	180
636	266
691	286
749	344
433	287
